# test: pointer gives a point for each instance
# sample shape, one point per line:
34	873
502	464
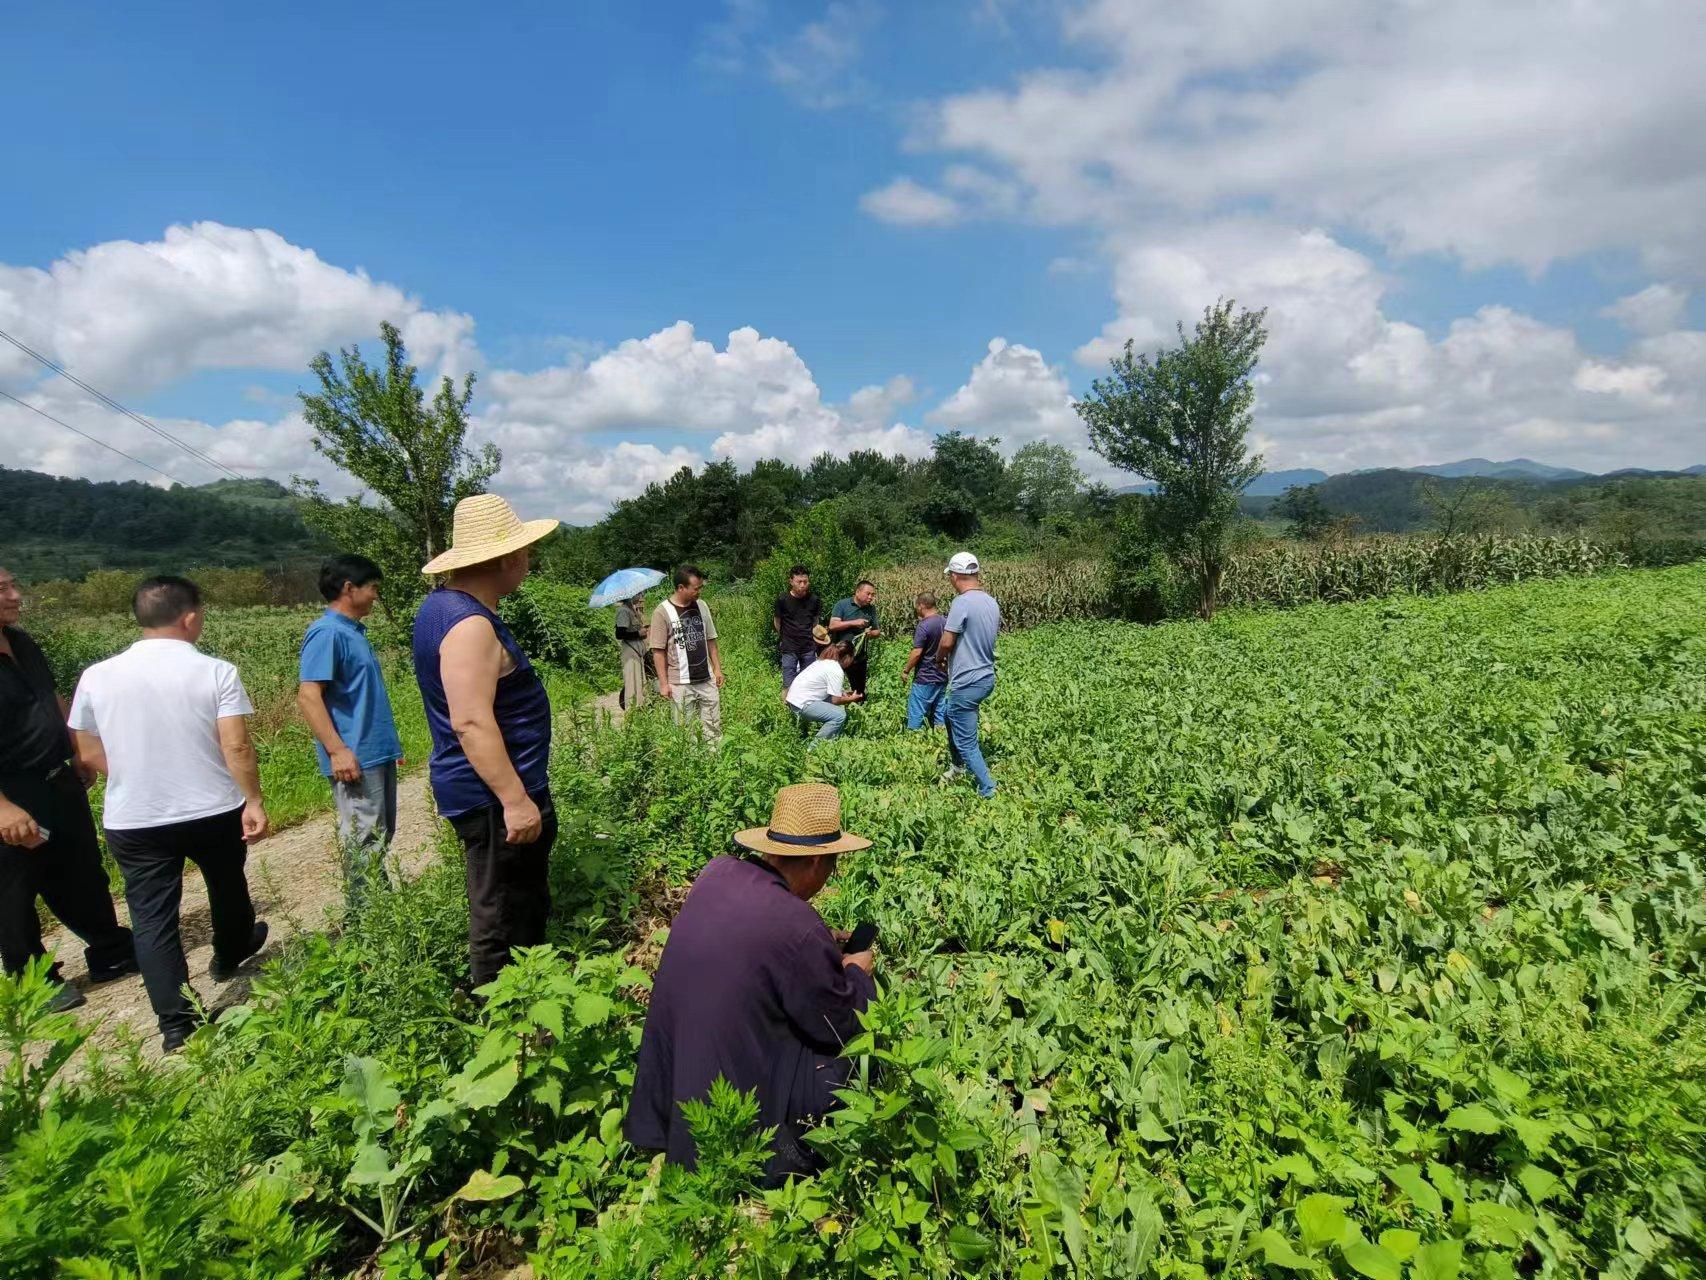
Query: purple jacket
752	988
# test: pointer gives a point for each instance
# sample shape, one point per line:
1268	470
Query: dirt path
295	882
296	885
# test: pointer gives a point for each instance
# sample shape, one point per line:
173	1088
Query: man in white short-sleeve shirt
167	724
816	693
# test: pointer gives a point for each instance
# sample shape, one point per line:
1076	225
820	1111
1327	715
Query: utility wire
107	400
121	453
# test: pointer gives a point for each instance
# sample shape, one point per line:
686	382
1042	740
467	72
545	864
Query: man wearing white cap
491	730
967	653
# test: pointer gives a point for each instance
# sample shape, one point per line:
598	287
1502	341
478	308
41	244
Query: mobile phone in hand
864	934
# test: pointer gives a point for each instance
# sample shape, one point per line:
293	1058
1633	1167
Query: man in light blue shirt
967	653
343	698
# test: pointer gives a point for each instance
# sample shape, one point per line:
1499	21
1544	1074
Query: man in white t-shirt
816	694
167	724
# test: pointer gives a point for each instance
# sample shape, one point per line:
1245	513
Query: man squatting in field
48	848
753	987
491	730
343	698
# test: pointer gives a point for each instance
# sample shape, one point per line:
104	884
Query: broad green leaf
1439	1260
1508	1085
592	1009
1408	1179
1277	1251
1538	1182
1500	1224
484	1185
1321	1219
968	1244
1475	1118
1400	1243
1373	1261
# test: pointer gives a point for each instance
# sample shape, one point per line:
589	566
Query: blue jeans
827	714
963	702
924	705
794	663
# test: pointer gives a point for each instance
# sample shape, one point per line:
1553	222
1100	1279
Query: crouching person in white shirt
168	726
816	694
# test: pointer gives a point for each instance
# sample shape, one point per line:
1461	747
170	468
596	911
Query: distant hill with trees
57	527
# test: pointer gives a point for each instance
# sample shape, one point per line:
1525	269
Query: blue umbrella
622	585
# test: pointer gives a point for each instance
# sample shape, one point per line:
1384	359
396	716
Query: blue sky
879	191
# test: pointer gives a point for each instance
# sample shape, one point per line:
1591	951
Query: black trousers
152	859
66	873
509	892
858	671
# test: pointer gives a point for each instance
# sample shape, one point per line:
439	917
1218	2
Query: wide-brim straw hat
820	635
485	528
805	821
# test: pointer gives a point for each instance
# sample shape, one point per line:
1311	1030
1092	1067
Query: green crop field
1355	940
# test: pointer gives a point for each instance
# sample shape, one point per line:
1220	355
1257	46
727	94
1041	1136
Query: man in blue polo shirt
342	697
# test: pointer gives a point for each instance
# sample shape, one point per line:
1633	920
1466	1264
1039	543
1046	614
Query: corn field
1035	591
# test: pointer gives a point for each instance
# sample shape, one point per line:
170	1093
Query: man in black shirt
48	847
797	611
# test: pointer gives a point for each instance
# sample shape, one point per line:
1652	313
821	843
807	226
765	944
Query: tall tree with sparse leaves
1182	419
377	425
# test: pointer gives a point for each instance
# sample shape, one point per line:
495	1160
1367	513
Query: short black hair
161	601
356	570
687	573
924	600
799	571
864	582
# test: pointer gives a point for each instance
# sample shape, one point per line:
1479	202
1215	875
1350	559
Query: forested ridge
59	527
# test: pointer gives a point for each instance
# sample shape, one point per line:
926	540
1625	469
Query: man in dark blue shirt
929	681
753	987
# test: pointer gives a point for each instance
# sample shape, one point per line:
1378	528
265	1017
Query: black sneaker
114	972
173	1040
66	999
222	971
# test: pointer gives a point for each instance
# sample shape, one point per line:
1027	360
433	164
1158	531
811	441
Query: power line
107	400
121	453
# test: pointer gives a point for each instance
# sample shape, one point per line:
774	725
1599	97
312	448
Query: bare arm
470	659
311	702
239	752
661	665
945	649
85	770
912	662
716	660
90	751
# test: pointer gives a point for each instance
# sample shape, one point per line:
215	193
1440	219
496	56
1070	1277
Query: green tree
967	481
1045	480
1308	518
376	425
1182	419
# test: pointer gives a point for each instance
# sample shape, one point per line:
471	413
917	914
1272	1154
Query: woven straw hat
485	528
820	635
804	822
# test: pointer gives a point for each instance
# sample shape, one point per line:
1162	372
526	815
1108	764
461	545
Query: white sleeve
82	717
835	681
233	698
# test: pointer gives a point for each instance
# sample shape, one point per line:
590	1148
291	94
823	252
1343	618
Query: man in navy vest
491	730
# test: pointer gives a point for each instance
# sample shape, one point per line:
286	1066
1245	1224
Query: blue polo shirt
335	652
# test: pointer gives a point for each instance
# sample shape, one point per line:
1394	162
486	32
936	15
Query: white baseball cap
963	562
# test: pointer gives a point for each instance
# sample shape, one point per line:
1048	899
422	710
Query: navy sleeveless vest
522	709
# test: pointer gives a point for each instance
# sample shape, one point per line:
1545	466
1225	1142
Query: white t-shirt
156	708
818	682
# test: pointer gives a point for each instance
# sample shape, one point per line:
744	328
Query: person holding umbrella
626	589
